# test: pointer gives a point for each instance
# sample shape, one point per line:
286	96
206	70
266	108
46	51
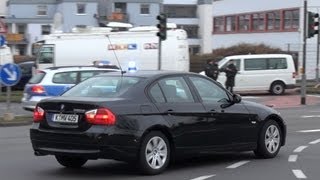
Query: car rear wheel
269	142
277	88
71	162
154	154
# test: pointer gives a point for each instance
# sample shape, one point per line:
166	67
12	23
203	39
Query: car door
182	110
229	123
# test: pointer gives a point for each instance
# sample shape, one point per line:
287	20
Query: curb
14	123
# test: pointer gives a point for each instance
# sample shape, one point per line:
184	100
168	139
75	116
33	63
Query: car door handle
212	110
170	111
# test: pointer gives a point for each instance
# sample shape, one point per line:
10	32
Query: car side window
86	74
175	89
156	94
208	91
65	78
237	63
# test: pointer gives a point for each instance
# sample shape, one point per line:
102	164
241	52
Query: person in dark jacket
231	72
212	70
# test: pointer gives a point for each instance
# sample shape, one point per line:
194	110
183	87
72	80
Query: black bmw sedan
150	118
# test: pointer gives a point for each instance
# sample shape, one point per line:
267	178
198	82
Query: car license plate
65	118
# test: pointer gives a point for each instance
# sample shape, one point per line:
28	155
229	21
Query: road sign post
10	75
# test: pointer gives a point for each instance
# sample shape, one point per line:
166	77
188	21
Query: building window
291	19
192	30
244	22
231	23
42	10
81	8
188	11
258	22
273	20
45	29
120	7
218	24
145	9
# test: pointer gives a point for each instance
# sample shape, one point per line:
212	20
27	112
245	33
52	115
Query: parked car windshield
103	86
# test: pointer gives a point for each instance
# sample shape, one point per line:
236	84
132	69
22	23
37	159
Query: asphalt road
299	159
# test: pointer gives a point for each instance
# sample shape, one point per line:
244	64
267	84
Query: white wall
3	7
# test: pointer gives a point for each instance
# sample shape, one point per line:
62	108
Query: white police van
261	72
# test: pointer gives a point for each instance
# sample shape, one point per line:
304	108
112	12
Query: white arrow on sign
12	75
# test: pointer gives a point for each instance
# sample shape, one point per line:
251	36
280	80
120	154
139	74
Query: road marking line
238	164
299	174
308	131
293	158
315	141
310	116
251	97
204	177
300	149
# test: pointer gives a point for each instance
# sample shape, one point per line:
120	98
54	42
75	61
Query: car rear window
37	78
102	86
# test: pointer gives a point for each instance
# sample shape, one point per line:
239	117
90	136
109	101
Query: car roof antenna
115	55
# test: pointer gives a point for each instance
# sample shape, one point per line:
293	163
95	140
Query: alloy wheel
272	139
156	152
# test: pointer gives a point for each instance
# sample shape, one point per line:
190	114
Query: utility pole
318	55
303	71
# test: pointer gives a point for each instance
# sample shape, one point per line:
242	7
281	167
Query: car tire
71	162
277	88
154	155
270	140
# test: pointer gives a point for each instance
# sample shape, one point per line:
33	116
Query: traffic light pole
318	56
303	74
159	54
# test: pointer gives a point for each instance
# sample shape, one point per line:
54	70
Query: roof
258	55
148	73
82	68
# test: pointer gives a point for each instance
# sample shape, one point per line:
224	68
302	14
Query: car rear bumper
30	104
95	143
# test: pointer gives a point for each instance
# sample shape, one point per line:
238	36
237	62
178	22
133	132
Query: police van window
46	54
237	63
277	63
65	78
255	64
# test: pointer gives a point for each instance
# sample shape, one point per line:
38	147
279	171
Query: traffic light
313	24
162	26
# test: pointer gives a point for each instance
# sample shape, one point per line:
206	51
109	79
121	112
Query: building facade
210	24
275	23
27	21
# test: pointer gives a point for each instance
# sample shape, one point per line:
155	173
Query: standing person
212	70
231	72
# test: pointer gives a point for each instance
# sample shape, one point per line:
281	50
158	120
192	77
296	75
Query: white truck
136	47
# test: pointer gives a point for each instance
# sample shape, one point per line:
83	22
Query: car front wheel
154	154
269	142
71	162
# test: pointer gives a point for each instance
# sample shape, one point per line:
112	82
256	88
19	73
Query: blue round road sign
10	74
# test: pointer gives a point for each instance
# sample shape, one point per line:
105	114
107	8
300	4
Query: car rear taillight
294	75
38	114
37	89
101	116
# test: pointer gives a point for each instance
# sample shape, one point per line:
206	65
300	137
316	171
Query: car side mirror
236	98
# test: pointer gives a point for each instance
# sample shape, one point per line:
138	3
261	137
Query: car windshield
222	62
102	86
